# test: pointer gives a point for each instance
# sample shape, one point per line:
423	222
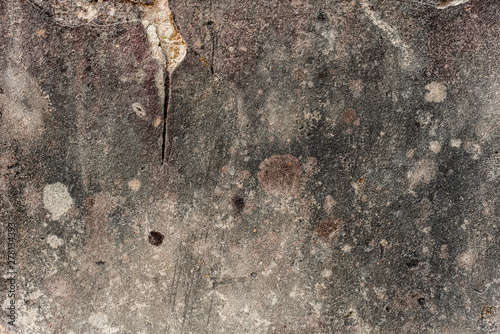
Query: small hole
209	23
238	203
155	238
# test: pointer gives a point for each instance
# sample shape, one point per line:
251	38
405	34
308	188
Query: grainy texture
332	167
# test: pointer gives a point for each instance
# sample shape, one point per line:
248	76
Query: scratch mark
229	281
451	3
210	311
175	283
391	33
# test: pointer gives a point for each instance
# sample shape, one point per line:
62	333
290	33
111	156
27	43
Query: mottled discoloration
280	175
423	172
328	227
374	124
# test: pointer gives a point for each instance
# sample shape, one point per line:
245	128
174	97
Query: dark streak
210	311
229	281
175	280
166	147
213	34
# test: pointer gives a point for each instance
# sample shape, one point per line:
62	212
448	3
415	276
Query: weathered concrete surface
326	167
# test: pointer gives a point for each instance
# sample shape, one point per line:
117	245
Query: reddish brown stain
349	116
327	227
280	175
299	75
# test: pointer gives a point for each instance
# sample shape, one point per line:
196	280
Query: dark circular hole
155	238
209	23
421	301
387	309
253	275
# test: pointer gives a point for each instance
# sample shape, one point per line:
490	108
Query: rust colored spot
155	238
280	175
362	180
327	227
349	116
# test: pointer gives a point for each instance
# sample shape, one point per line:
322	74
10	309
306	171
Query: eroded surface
334	167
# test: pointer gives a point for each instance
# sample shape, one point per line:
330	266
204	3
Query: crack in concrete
169	49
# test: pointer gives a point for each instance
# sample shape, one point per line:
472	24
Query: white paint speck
57	199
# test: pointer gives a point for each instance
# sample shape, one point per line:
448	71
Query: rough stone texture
331	167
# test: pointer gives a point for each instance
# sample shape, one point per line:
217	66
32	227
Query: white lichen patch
54	241
57	199
88	12
163	35
436	92
455	143
435	146
423	172
100	321
467	259
134	185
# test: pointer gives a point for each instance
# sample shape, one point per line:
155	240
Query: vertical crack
167	140
169	49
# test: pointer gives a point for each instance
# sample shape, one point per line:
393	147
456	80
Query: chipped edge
168	46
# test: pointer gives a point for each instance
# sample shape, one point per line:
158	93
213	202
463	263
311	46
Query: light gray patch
57	199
